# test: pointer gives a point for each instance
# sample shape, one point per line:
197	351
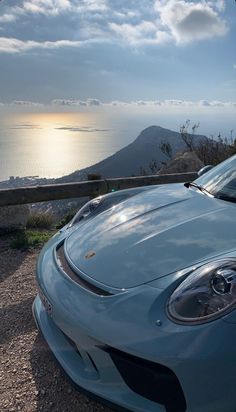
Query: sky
90	53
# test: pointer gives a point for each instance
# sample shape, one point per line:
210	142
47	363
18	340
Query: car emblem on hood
90	254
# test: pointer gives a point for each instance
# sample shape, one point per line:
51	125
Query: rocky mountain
129	160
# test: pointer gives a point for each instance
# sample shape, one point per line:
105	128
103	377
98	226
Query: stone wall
13	218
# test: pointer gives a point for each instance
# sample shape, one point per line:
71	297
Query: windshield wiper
200	188
226	198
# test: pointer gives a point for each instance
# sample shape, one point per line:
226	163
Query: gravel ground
30	379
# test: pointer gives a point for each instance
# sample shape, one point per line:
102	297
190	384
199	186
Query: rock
13	218
182	163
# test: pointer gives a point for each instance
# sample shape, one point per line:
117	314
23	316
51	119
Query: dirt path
30	379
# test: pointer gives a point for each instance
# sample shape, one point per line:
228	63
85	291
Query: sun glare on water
53	144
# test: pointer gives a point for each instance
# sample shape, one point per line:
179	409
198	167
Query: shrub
209	150
25	239
40	220
66	219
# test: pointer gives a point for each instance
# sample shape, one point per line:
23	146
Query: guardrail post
94	176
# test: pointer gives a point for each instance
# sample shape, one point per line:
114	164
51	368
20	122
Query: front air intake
149	379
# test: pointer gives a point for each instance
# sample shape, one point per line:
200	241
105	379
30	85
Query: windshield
221	180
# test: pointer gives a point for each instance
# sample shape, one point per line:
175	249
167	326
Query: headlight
86	210
208	293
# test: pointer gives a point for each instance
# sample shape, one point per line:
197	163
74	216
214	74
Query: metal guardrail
92	188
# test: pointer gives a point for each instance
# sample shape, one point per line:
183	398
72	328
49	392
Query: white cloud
183	103
176	102
12	45
214	103
126	14
218	4
145	32
56	7
204	103
217	103
7	18
93	102
25	103
76	102
115	103
12	13
68	102
93	5
181	21
53	7
133	33
168	103
188	21
151	103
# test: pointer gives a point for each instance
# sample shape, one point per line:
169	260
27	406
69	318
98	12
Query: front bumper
90	365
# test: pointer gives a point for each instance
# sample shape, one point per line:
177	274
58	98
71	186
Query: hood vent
65	267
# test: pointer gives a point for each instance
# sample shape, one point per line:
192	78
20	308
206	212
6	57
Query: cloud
234	66
148	103
176	102
145	32
126	14
189	21
204	103
53	7
92	102
26	126
215	103
7	18
68	102
58	7
135	23
93	5
218	4
117	103
10	13
181	103
25	103
76	102
13	45
82	129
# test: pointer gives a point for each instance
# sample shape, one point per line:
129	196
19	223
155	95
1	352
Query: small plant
39	220
25	239
66	219
187	137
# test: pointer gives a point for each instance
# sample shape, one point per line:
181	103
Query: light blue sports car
137	295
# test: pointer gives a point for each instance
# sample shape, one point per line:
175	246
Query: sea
55	143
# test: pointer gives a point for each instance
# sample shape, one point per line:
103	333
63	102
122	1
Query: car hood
152	234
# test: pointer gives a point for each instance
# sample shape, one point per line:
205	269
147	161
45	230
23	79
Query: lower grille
150	380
